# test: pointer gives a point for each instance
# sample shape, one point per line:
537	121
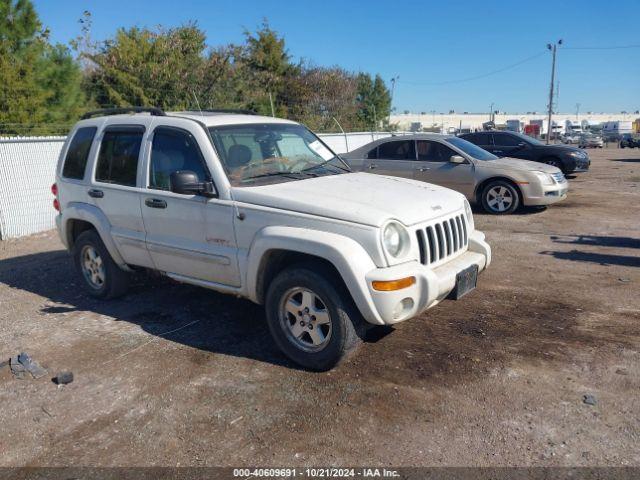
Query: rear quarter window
75	162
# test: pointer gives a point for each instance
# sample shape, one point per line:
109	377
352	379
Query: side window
505	140
173	150
373	154
473	138
397	150
118	157
76	160
429	151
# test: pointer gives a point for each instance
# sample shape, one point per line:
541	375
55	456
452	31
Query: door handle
497	151
95	193
155	203
372	166
424	169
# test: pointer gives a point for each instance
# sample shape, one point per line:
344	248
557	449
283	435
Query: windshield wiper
322	164
276	174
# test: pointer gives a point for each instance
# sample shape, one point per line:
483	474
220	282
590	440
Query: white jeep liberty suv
261	208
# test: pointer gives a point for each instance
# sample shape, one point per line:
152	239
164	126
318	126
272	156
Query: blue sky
424	42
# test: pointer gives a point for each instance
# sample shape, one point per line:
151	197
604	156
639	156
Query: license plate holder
466	281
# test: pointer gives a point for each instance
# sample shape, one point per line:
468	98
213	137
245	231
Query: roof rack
227	110
116	111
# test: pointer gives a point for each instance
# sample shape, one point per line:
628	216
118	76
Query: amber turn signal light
391	285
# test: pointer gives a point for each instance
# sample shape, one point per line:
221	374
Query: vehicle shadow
223	324
599	258
598	240
522	210
628	160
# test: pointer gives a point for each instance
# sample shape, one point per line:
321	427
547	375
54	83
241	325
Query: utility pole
393	87
553	49
491	112
577	111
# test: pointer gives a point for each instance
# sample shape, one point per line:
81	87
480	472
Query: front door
189	235
433	166
508	145
395	158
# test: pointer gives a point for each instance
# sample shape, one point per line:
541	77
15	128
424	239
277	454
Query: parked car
499	185
261	208
629	140
516	145
588	140
570	138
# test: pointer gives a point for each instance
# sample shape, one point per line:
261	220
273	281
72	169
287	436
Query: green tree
374	101
21	45
40	82
140	67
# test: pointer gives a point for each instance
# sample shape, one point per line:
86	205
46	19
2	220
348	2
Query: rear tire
100	275
312	319
500	197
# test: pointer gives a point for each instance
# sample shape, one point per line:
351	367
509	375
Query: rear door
189	235
114	189
395	157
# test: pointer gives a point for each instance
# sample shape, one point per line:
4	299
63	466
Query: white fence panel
27	171
343	143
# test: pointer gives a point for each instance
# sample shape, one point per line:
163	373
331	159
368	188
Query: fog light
402	308
391	285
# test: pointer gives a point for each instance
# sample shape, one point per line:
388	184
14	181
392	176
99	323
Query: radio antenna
197	103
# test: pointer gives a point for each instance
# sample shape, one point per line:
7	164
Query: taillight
54	189
56	204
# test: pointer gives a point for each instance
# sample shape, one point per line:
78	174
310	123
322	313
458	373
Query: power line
619	47
476	77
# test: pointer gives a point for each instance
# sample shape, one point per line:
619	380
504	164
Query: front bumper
545	195
579	165
431	286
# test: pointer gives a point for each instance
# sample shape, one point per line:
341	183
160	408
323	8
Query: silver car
499	185
590	141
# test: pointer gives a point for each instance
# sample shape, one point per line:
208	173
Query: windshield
471	149
272	152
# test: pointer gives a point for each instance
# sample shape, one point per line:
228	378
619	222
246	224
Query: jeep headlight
578	154
395	239
469	214
544	178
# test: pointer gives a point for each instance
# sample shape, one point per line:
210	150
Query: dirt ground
177	375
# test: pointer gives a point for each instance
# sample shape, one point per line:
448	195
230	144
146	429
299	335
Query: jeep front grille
442	239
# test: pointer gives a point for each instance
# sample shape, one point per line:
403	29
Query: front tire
100	275
312	320
500	197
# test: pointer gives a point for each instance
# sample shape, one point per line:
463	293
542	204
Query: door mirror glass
457	159
186	182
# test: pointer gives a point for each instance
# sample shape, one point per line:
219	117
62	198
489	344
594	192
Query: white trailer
612	131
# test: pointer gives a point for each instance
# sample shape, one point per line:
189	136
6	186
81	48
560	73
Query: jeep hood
356	197
509	163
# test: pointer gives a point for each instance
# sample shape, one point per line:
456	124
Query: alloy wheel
500	198
93	267
305	319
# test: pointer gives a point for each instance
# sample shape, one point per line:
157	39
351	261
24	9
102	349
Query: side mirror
457	159
186	182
